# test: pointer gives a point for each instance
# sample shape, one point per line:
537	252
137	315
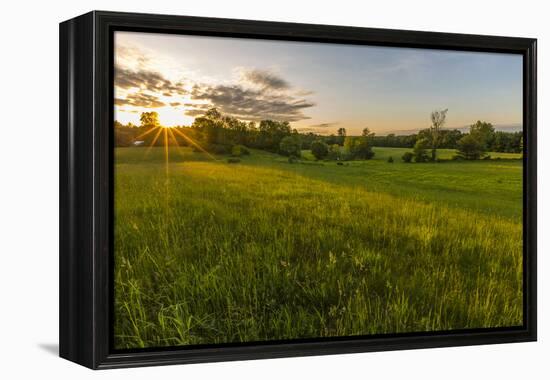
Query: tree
149	119
484	132
358	147
291	146
334	152
449	138
367	133
341	135
420	150
319	149
271	134
438	120
213	114
470	147
124	135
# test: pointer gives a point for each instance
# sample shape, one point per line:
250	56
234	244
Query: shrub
334	152
407	157
390	159
319	149
358	147
420	150
292	159
239	150
339	163
233	160
470	147
291	146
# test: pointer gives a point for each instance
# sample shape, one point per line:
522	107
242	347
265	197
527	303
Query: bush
292	159
358	147
233	160
319	149
334	152
291	146
420	150
340	163
470	147
390	159
407	157
239	150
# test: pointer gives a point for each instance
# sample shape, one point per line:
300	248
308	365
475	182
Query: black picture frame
86	186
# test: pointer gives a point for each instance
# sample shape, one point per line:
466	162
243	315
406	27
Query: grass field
210	252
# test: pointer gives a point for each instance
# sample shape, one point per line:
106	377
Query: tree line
223	134
504	142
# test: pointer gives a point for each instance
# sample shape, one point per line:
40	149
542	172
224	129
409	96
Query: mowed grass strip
217	253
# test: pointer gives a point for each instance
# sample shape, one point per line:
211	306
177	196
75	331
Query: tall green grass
209	252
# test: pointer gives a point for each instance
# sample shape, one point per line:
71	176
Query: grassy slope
263	249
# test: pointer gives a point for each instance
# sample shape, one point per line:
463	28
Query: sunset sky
316	87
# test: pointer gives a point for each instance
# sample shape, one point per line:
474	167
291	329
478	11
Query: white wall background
29	187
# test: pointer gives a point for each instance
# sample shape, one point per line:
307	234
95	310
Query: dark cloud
248	104
147	80
175	104
266	80
324	125
140	100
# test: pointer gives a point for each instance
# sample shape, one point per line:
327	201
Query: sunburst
167	135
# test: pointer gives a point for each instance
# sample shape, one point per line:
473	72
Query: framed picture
238	189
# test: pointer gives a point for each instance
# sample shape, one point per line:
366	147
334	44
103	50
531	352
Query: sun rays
168	137
195	144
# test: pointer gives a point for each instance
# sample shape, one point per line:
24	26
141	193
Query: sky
317	87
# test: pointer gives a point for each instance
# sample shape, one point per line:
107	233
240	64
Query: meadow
209	252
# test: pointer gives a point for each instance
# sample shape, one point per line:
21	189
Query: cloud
324	125
131	54
248	104
320	129
147	80
140	100
265	79
304	92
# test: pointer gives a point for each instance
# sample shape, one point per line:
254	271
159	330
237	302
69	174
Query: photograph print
269	190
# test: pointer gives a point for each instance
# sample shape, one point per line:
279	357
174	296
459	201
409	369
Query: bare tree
438	120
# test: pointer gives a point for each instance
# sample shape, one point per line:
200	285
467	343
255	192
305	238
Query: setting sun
174	116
